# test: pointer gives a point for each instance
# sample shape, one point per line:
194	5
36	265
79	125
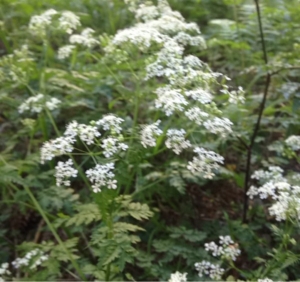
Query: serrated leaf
86	214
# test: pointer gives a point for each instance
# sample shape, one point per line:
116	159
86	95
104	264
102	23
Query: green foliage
159	217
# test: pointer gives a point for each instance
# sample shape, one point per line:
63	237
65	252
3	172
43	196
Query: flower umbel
102	176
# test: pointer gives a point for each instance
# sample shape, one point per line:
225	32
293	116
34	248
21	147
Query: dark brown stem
261	110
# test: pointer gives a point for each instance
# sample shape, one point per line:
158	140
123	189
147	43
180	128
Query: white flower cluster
214	271
265	280
87	133
286	197
170	100
34	258
149	133
65	52
146	12
112	145
36	104
22	55
197	115
85	38
178	277
39	23
99	176
159	24
68	22
63	171
4	269
102	175
140	36
111	122
187	81
16	67
205	163
176	140
235	96
293	142
57	147
227	249
220	126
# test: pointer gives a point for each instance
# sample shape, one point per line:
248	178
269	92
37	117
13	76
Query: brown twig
261	109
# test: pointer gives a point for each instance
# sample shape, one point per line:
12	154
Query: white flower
33	104
111	146
63	171
149	133
38	256
173	23
4	269
146	12
102	175
200	95
197	115
284	195
226	240
176	140
192	61
214	271
214	248
141	36
52	104
235	96
39	23
85	38
178	277
111	122
87	133
36	104
56	147
274	173
112	184
228	249
170	100
186	39
68	22
220	126
231	252
293	142
71	131
23	54
265	280
205	163
65	52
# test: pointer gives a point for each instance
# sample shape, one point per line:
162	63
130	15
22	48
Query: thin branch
264	49
261	109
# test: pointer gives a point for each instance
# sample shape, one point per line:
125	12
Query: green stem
56	236
110	235
73	60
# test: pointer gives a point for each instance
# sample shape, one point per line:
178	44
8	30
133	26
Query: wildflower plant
113	135
228	250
